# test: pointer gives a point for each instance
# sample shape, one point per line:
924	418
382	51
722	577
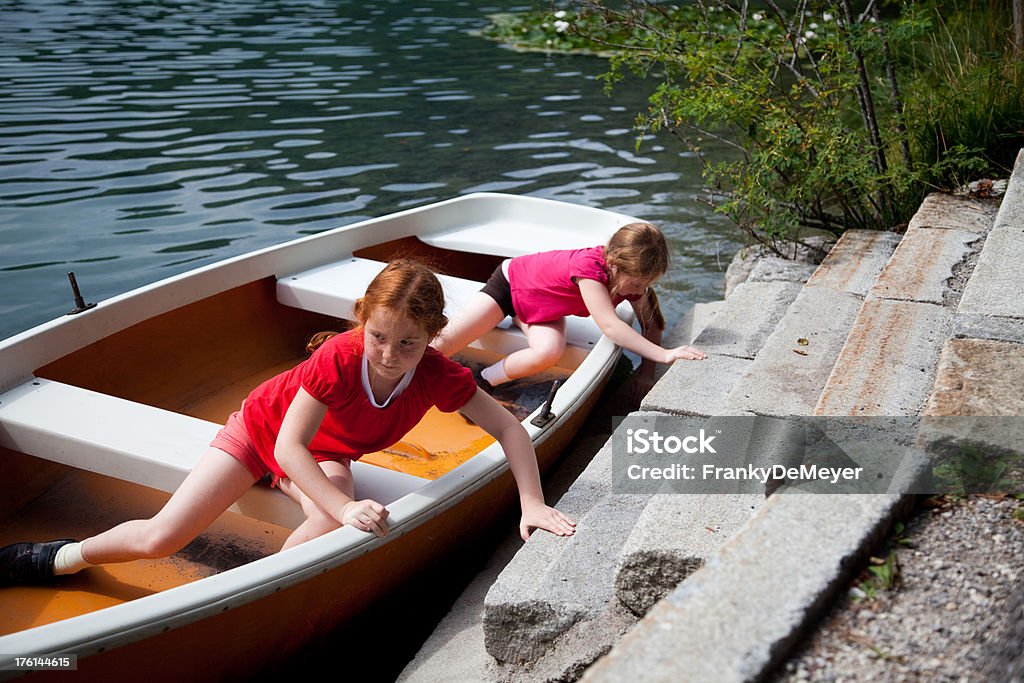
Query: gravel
955	612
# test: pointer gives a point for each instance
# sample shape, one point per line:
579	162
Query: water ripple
138	139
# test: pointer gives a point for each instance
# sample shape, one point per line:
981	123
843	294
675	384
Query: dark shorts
497	288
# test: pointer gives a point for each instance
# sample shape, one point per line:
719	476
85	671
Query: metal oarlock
546	415
80	304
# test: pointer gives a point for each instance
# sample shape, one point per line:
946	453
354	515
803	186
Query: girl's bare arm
522	460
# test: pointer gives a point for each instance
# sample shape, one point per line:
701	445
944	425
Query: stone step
995	288
675	535
787	376
735	618
784	378
555	588
731	340
888	363
976	401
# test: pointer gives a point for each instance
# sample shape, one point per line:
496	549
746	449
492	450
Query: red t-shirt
352	426
544	285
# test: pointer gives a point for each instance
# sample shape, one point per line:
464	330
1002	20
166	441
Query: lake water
142	139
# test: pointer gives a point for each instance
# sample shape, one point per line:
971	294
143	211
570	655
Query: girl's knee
546	355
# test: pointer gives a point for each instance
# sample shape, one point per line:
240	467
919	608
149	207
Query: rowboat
104	411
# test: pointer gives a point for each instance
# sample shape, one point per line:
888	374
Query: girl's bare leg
547	343
217	481
479	316
318	521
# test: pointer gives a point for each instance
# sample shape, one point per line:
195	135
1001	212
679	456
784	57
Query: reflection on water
139	139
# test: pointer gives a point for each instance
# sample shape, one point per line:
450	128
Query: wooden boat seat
146	445
333	289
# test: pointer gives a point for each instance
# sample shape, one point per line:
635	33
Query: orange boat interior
200	360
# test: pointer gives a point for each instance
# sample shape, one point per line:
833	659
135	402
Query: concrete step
734	618
976	399
556	588
787	376
888	363
784	378
731	340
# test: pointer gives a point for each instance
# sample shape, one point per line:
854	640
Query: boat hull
252	618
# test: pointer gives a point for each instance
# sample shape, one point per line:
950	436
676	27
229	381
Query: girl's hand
366	515
683	353
540	516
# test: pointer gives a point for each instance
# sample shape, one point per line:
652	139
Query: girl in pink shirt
539	290
359	392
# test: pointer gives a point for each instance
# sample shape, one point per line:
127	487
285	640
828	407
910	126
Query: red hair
405	287
410	289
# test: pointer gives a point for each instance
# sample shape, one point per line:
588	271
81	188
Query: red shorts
233	439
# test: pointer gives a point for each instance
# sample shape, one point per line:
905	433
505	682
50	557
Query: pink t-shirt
544	285
352	426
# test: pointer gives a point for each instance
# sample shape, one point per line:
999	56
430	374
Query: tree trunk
1018	28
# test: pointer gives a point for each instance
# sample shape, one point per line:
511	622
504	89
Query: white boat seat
333	289
146	445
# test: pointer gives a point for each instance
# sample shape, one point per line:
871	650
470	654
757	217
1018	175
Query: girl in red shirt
359	392
539	290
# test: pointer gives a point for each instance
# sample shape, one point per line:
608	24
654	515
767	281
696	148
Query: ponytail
653	316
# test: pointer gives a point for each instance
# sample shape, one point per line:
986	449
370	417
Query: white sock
69	560
495	374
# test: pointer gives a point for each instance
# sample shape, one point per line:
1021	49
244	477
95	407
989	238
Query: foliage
972	469
809	96
884	574
966	88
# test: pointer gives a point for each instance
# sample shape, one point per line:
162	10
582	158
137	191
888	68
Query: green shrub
838	120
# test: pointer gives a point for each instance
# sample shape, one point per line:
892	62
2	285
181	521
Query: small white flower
758	16
544	25
561	26
560	14
809	34
872	19
813	25
827	16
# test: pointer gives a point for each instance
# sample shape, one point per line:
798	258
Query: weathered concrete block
787	377
558	582
887	364
974	326
696	388
956	212
995	287
735	619
777	269
747	259
692	324
978	377
749	315
922	265
855	261
676	535
1011	211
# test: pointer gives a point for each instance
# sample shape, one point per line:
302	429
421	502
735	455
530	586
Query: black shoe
29	563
